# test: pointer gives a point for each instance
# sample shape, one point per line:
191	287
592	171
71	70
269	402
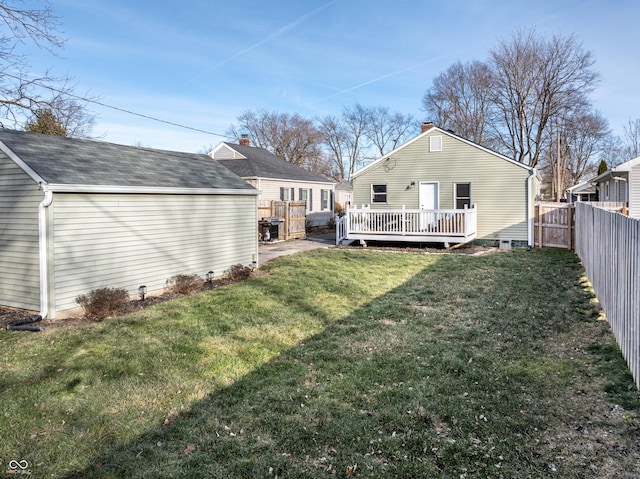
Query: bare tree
346	138
24	96
460	100
576	143
386	130
535	79
631	139
334	137
290	137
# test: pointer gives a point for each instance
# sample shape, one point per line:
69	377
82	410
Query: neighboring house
585	191
78	215
344	194
443	188
621	184
278	179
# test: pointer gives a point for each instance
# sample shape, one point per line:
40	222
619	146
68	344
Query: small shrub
104	302
238	272
184	284
337	208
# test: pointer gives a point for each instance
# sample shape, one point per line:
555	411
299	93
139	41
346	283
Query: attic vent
435	143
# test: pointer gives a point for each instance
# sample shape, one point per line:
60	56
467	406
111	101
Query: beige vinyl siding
498	187
19	263
125	241
271	191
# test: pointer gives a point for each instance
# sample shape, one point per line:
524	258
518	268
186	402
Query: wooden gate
292	216
554	225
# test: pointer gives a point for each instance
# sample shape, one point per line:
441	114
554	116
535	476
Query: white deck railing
410	224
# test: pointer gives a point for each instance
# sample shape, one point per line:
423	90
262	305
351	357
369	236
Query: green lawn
335	363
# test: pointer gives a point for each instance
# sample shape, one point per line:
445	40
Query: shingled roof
261	163
67	161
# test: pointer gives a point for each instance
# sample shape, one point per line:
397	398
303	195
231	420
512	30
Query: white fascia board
57	188
443	132
26	168
289	180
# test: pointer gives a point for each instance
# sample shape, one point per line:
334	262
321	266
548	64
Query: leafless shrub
238	272
101	303
184	284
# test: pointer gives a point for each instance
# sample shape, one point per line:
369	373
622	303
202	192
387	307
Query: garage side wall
124	241
19	264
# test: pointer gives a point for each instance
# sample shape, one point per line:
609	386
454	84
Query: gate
554	225
292	216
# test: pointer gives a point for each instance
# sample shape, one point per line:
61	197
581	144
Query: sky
201	64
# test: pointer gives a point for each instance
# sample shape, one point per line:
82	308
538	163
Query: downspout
530	211
44	250
19	325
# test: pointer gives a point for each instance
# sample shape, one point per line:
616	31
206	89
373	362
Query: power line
123	110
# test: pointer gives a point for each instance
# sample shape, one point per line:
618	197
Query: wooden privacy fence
292	216
554	223
608	244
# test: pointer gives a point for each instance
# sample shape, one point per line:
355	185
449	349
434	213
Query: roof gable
256	162
439	132
55	160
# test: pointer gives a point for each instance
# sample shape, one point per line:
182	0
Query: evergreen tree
46	122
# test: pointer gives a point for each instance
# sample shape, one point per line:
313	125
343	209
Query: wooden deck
410	225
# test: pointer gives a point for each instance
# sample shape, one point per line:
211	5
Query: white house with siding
621	183
78	215
439	187
278	179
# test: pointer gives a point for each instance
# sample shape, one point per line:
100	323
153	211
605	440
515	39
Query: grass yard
334	363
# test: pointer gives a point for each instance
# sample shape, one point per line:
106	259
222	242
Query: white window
435	143
287	194
462	195
305	195
378	193
324	199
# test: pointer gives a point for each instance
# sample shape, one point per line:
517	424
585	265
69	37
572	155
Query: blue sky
202	63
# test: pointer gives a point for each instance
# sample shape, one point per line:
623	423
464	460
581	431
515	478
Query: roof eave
113	189
26	168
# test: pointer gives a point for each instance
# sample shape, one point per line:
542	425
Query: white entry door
428	198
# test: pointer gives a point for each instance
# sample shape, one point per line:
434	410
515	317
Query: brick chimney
244	140
426	126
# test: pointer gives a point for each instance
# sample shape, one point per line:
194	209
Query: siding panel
19	200
125	241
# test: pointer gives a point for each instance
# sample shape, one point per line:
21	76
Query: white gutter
62	188
43	250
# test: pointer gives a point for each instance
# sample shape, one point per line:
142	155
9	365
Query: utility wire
123	110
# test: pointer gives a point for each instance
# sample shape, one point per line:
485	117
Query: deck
411	225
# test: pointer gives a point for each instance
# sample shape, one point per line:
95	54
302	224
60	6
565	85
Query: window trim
386	193
325	202
435	145
307	200
456	197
